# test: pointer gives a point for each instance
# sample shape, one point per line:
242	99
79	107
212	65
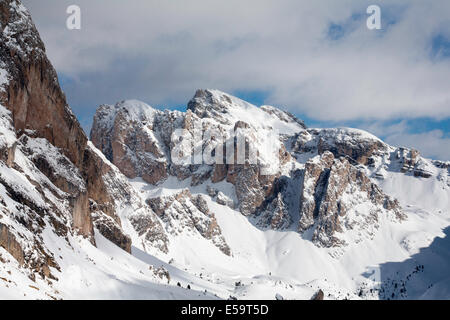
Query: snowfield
263	264
267	262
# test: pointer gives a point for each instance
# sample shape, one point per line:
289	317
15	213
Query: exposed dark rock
330	189
318	296
183	211
111	230
9	243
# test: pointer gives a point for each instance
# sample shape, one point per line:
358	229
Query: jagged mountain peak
208	104
136	109
227	110
211	99
131	110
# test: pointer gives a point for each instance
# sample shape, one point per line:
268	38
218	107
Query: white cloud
381	129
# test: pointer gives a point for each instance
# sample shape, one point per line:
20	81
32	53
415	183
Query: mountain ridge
352	148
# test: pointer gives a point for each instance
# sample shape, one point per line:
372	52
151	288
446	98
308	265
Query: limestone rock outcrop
50	172
337	197
183	212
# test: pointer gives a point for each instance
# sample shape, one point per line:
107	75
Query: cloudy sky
316	59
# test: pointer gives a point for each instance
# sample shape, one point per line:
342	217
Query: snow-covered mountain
121	216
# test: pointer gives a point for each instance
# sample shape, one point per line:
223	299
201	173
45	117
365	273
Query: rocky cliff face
31	91
183	212
337	199
126	138
51	178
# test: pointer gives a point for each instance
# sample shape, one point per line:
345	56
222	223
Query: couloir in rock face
337	197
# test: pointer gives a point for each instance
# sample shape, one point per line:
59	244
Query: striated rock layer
51	177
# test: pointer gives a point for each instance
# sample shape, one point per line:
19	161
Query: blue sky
316	59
